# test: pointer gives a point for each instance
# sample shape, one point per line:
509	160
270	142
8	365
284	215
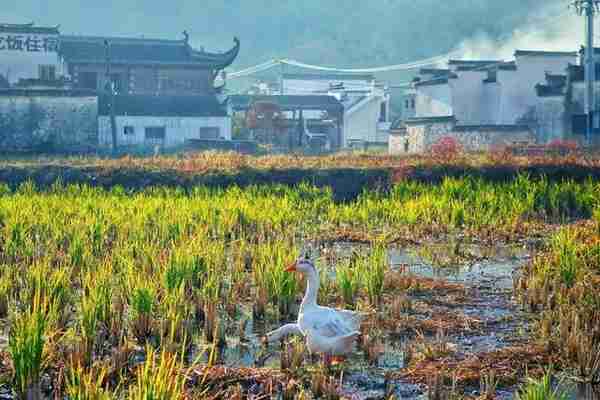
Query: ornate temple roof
140	51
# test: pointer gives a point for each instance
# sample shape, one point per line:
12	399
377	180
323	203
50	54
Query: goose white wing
352	318
333	323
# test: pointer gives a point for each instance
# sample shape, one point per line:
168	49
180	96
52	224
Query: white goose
326	330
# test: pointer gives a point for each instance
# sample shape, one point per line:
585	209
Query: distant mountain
348	33
358	33
335	32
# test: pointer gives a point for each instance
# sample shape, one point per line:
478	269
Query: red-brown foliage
563	147
446	148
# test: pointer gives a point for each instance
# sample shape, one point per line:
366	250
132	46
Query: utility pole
110	88
589	8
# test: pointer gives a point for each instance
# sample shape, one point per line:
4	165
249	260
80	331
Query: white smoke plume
557	28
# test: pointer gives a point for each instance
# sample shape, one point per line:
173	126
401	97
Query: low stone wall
421	134
486	137
47	122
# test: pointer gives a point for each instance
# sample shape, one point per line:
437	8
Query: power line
396	67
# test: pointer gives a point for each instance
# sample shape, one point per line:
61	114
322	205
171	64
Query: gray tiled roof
92	49
426	120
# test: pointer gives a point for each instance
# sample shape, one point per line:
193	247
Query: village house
480	103
143	66
51	79
366	103
164	121
561	99
29	52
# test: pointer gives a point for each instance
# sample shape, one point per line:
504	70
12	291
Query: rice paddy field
158	278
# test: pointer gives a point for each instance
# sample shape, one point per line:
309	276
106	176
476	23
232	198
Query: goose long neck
312	289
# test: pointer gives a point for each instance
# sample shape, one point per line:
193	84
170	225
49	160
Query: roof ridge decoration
118	39
142	51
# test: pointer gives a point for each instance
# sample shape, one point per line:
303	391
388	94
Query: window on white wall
128	130
47	72
383	112
155	133
209	133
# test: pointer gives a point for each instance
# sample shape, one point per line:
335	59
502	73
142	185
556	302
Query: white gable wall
518	92
360	122
468	97
433	101
490	103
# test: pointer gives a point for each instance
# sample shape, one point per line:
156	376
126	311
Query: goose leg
338	360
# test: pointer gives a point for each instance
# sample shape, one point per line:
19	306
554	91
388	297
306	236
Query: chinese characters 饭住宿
28	43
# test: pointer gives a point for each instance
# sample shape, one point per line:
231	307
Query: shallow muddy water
488	286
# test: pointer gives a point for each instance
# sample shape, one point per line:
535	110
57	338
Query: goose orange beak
291	267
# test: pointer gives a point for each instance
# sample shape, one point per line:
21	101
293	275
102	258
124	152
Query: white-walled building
366	103
164	121
366	116
491	96
29	52
485	103
488	92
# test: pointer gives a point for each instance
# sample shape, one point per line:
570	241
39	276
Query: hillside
348	32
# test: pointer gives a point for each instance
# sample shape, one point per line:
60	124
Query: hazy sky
118	17
381	31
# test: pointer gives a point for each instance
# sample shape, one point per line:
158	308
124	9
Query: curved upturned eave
218	60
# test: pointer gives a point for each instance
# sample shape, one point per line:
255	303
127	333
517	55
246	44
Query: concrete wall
178	129
23	61
28	121
433	101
